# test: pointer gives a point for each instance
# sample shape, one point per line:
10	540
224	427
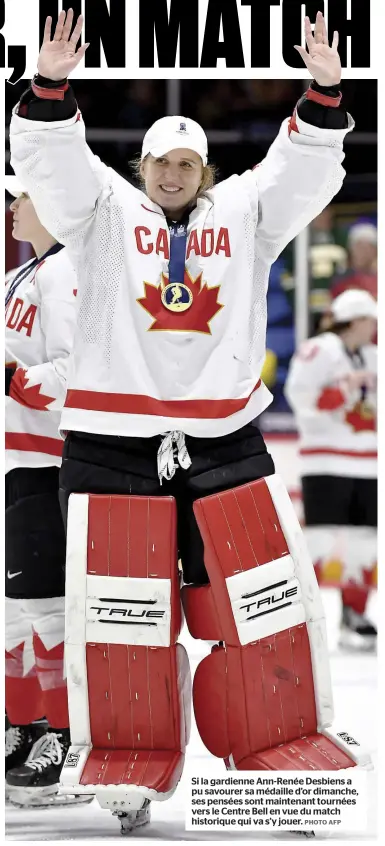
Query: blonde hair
207	182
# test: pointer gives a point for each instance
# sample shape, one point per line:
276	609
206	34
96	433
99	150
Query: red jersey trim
33	443
50	93
323	99
293	123
139	404
153	211
344	452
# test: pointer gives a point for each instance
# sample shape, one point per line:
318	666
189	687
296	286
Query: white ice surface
355	699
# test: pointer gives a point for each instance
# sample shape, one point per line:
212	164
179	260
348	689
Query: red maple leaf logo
361	418
29	396
196	318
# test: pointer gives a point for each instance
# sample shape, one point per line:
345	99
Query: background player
332	389
39	325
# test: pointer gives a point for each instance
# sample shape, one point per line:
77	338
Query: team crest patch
362	418
187	306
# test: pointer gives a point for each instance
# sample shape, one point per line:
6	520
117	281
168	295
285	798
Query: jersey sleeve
67	183
311	382
43	386
297	179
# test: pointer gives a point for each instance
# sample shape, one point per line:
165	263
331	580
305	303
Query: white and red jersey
337	429
141	367
39	327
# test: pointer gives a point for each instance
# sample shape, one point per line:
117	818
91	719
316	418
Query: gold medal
365	410
177	297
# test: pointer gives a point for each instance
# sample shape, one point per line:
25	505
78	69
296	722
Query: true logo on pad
112	612
268	599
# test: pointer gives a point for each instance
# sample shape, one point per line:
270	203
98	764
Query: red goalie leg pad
201	613
249	710
262	698
23	701
136	714
141	715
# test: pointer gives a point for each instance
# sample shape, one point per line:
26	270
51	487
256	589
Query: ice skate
357	632
19	741
133	819
35	783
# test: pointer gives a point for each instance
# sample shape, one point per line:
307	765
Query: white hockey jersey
39	326
339	440
139	367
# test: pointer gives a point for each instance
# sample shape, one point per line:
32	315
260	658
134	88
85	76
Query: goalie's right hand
58	57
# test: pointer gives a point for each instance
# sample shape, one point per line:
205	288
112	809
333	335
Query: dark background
251	110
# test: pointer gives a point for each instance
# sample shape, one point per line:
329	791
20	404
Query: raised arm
49	153
303	168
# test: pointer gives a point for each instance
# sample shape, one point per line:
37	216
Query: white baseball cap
170	133
353	304
362	232
13	186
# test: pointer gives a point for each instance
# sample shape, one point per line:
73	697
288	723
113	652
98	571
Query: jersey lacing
172	451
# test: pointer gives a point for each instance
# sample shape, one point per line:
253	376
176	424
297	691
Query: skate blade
54	802
128	822
26	799
299	835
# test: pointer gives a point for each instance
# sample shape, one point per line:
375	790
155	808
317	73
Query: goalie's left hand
322	61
